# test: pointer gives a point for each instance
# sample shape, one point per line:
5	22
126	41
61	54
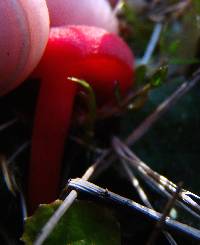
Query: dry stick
136	135
116	200
92	169
10	179
50	225
139	132
155	116
5	164
152	44
69	200
106	111
21	194
8	124
187	200
160	224
144	61
175	10
118	7
23	206
86	145
7	176
135	182
18	152
162	108
71	197
142	194
144	197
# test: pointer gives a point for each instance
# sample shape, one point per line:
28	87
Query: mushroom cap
90	53
82	12
24	30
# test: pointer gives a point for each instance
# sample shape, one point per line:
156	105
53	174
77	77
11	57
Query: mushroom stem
51	125
84	52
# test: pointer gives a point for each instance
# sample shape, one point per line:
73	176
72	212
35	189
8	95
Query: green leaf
85	223
91	94
140	74
136	28
177	61
173	47
91	104
179	40
128	12
159	76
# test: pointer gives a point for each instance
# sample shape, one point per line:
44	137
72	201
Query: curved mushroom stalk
51	126
89	53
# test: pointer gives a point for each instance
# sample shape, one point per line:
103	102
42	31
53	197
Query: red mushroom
84	52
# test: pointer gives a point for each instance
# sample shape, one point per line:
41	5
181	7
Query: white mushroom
82	12
24	30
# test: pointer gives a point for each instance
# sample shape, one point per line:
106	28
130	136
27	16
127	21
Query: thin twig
7	175
93	168
136	135
109	111
136	184
8	124
118	7
10	178
113	199
114	110
162	108
158	182
86	145
143	196
152	43
150	120
17	152
172	11
50	225
6	169
69	200
161	223
23	206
